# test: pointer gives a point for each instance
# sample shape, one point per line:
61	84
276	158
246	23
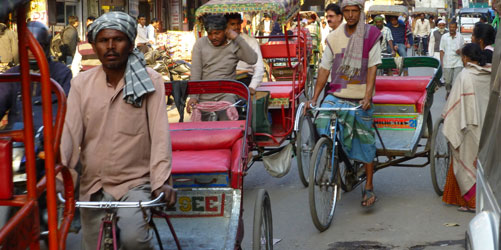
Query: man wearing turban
116	125
352	55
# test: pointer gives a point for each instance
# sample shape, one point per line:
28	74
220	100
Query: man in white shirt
450	55
152	31
143	39
250	75
334	16
422	31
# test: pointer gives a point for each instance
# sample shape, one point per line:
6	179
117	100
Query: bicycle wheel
440	158
262	231
305	141
323	188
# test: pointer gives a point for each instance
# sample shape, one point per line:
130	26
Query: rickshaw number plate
198	204
396	122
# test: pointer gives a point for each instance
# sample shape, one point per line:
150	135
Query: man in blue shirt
401	39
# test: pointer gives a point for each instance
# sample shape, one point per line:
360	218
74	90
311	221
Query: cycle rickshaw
23	229
404	131
291	78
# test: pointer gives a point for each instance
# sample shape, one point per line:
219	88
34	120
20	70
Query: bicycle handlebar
302	106
116	204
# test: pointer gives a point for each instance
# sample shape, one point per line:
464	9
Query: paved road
408	214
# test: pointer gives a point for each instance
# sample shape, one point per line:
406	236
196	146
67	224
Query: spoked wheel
262	235
324	188
440	158
305	141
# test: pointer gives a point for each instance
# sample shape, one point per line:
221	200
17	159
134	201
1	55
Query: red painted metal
23	230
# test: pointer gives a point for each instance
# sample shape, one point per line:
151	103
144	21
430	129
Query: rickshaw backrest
205	135
278	50
6	184
402	83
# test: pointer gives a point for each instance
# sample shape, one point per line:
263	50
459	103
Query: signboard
134	8
38	11
175	14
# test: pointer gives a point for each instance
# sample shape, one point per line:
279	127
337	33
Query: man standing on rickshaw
351	57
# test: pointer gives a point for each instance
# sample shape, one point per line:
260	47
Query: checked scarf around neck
137	80
352	58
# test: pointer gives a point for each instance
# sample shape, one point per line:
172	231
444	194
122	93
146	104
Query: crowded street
250	124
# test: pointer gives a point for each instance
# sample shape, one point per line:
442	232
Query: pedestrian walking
69	39
435	38
464	115
450	55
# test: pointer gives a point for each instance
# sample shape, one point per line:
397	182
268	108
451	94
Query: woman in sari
463	119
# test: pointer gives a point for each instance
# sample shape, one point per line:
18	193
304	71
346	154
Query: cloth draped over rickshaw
280	10
231	111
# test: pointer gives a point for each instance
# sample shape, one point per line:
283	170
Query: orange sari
452	193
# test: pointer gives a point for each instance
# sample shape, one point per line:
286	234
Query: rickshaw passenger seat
6	183
277	50
402	90
206	147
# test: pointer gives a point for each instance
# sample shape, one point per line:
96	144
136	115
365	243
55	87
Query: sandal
466	209
368	194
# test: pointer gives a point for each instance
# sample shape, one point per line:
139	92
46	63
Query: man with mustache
351	58
116	125
334	16
215	57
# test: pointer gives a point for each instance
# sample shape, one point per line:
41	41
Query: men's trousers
450	75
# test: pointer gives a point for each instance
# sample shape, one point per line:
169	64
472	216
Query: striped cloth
137	80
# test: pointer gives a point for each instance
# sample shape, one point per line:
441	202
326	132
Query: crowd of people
109	63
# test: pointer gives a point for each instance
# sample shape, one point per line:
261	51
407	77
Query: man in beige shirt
117	126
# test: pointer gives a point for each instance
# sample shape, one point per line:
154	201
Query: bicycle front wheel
323	187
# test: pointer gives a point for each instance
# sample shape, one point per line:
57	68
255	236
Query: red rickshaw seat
205	135
205	147
278	91
6	183
201	161
277	50
402	90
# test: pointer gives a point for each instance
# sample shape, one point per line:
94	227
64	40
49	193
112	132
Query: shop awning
281	10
